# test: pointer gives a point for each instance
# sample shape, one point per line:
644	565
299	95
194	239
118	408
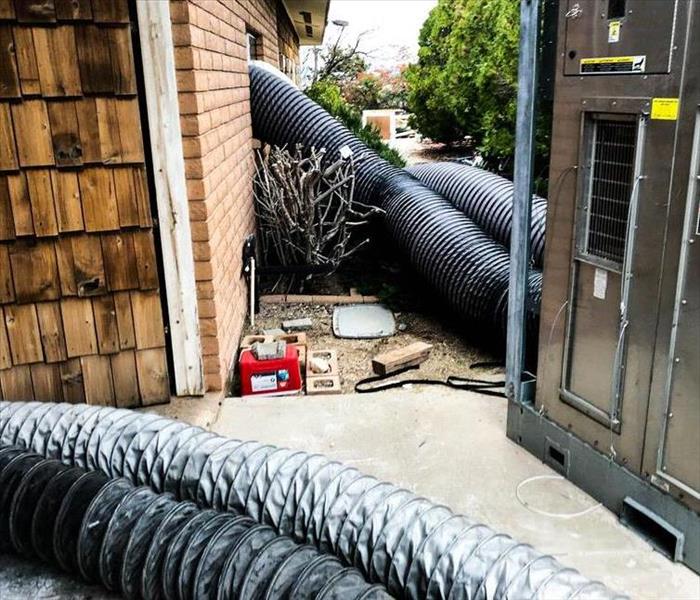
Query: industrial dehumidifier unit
617	401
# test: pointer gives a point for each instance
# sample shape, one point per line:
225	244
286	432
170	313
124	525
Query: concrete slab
451	447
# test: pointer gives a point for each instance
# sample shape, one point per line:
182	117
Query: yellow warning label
665	109
613	65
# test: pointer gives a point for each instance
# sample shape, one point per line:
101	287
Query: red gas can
276	376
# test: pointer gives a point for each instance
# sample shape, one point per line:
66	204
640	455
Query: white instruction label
264	382
600	284
614	32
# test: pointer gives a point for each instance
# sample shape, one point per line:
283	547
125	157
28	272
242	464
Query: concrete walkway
451	447
447	445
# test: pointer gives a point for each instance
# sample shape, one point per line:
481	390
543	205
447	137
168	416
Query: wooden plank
66	196
66	266
16	383
146	260
400	358
34	271
32	133
7	10
78	326
119	126
21	205
7	288
46	381
89	130
73	10
7	223
142	197
26	61
88	266
123	70
72	381
160	87
41	200
97	380
9	78
125	320
152	369
125	378
57	61
8	153
94	59
130	136
127	198
108	127
23	333
120	262
148	321
110	11
106	324
35	11
65	134
53	340
5	355
99	200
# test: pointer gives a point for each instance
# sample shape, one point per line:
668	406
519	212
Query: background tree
338	80
465	80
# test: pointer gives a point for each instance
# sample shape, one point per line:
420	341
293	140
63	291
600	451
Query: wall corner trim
155	34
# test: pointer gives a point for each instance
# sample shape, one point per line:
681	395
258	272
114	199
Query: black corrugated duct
415	548
149	545
484	197
463	263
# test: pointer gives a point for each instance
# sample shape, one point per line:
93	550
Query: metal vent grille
611	184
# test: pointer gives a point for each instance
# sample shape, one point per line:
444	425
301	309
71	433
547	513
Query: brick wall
212	79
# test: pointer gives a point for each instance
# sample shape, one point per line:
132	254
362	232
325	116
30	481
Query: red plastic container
270	377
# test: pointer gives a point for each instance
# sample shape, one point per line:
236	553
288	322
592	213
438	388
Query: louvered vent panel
610	188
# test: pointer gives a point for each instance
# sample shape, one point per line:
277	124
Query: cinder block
249	340
331	356
291	338
324	384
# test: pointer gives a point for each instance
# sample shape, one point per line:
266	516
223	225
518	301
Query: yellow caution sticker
613	65
664	109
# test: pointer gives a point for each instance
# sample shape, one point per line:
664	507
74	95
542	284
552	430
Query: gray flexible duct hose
468	268
413	547
149	545
484	197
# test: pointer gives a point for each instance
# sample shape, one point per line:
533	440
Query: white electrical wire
545	513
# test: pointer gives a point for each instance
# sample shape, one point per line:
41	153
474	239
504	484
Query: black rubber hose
109	531
413	547
468	268
486	198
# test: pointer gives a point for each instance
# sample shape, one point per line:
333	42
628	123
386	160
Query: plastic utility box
274	376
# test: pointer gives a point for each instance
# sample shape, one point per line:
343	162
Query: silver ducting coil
413	547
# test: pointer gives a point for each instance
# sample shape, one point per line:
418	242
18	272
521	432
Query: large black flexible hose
464	264
149	545
413	547
484	197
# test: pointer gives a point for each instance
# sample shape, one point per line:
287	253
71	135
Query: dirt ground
451	353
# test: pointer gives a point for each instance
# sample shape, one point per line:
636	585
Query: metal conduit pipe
466	265
148	545
410	545
484	197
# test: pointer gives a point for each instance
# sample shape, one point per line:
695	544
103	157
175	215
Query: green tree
328	95
465	80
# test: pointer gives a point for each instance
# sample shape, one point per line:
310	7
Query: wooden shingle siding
80	306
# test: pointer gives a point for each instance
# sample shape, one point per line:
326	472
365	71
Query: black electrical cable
467	384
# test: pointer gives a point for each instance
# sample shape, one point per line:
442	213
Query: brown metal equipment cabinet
617	402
